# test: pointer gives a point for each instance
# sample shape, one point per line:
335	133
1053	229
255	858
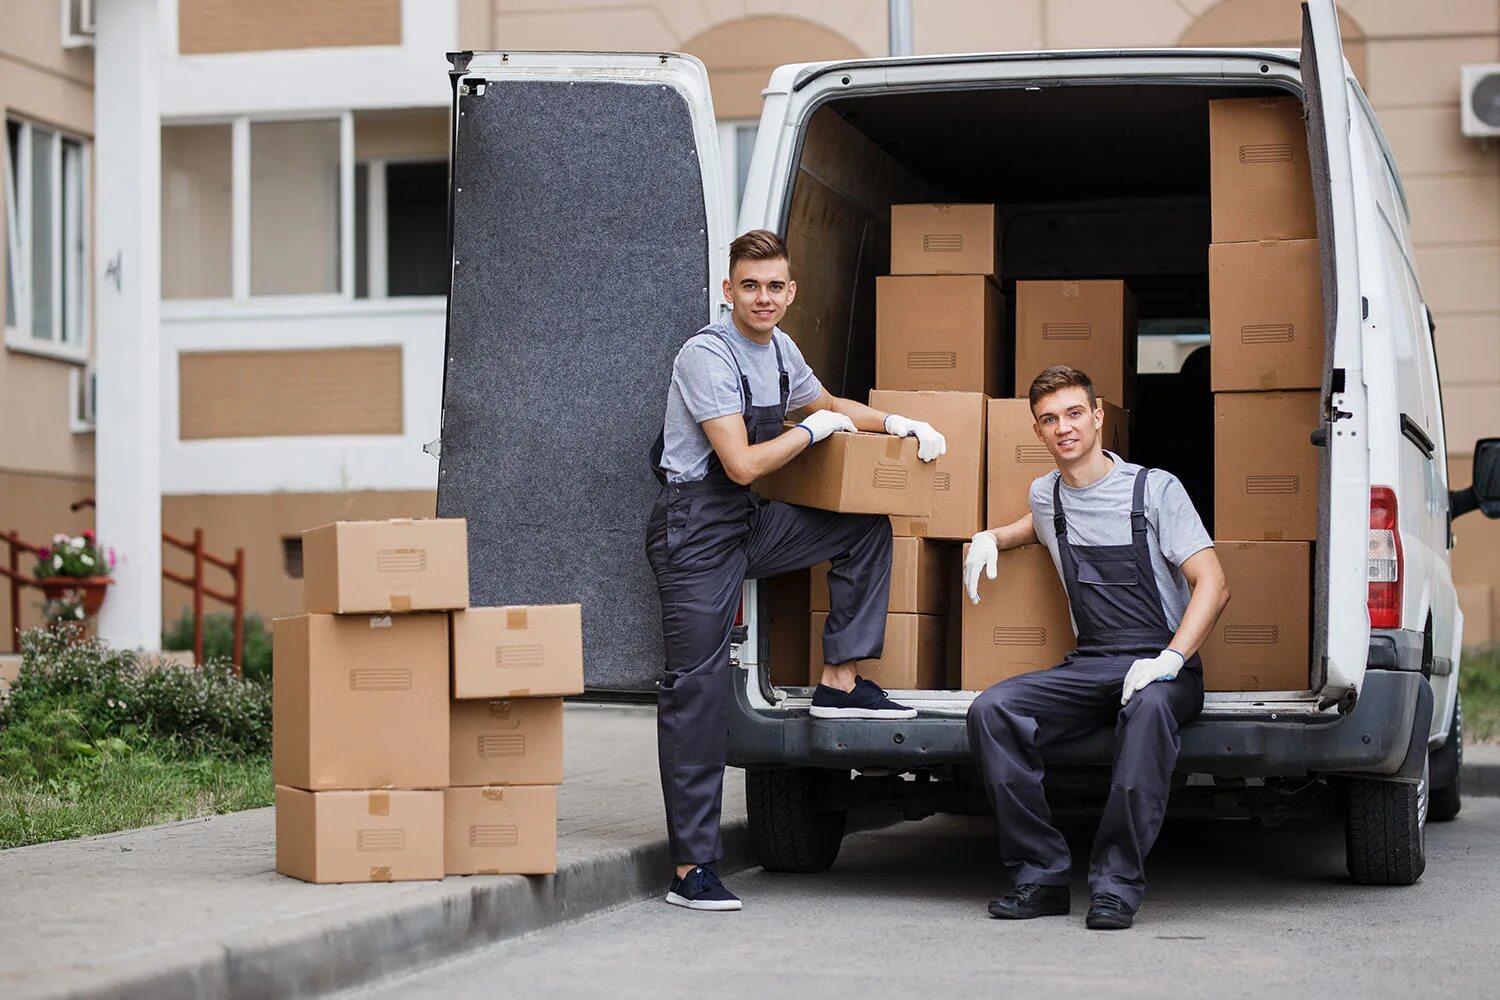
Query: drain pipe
900	27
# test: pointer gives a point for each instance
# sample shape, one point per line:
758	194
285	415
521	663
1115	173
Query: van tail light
1385	560
739	611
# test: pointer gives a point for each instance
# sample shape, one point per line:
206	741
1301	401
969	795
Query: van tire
1383	830
788	829
1446	802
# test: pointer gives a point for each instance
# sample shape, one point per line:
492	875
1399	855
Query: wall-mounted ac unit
83	387
1479	100
78	23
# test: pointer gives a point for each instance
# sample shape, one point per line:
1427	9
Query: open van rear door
1341	623
589	240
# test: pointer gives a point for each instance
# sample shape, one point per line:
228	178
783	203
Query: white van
590	235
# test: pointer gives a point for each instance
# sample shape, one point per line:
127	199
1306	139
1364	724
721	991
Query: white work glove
821	423
1161	667
984	554
930	443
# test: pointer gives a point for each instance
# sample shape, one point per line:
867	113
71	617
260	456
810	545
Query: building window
46	205
295	231
400	228
197	212
291	556
736	143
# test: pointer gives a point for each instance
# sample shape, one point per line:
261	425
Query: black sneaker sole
1000	913
707	905
1113	922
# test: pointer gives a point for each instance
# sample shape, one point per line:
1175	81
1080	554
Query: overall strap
1138	508
785	381
1059	523
723	335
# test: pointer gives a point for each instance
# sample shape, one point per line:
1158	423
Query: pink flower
111	553
88	535
43	552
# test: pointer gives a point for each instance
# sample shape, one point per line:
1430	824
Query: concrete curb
327	952
1480	779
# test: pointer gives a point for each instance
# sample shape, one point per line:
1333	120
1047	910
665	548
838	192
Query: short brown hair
1057	378
758	244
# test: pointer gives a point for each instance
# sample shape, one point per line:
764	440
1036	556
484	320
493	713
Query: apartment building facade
302	185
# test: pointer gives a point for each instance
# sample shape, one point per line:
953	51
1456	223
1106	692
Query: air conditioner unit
83	386
86	16
1480	100
78	23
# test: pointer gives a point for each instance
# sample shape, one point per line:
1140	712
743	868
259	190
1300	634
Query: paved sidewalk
196	909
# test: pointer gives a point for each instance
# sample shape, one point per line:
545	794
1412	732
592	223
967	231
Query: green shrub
1479	682
218	641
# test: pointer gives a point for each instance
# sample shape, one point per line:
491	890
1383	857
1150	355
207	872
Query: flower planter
91	588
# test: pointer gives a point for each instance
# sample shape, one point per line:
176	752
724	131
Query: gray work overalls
703	540
1118	610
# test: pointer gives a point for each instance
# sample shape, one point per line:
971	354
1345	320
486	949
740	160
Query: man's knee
994	704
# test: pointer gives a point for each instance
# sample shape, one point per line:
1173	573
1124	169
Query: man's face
759	292
1066	423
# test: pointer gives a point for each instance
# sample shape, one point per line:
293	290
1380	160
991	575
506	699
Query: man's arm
865	418
745	462
1021	531
1210	590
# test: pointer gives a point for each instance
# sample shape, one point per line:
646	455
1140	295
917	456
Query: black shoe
1030	900
700	889
1108	912
866	701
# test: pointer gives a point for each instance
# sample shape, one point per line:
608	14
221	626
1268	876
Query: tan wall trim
208	26
407	134
234	394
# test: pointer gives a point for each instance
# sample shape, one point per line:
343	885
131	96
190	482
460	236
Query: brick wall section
209	26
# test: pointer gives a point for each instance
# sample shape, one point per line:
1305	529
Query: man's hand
821	423
984	554
930	444
1161	667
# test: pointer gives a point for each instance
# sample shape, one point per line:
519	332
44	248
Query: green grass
1479	683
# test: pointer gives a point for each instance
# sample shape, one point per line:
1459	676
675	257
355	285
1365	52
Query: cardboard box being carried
500	830
1265	466
505	741
359	567
920	578
1016	458
518	652
1088	325
855	474
366	836
943	333
944	239
1265	315
360	701
1021	622
1260	181
912	659
958	475
1261	641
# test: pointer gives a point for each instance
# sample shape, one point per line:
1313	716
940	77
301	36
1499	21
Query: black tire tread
788	830
1382	840
1446	802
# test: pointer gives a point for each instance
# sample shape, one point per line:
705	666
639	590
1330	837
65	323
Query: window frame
377	243
18	252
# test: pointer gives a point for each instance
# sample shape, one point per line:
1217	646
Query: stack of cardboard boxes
1266	335
383	775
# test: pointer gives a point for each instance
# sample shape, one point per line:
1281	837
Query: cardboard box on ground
855	474
958	482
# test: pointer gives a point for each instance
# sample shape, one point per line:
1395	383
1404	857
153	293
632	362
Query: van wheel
1447	801
1384	830
789	830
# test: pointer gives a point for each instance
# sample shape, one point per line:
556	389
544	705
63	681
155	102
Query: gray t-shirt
1099	514
706	384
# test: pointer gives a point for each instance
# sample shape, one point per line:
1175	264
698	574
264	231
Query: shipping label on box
1262	640
920	572
855	474
912	659
944	239
359	836
1087	325
958	475
944	334
510	830
518	652
360	701
1265	466
1265	316
1021	622
505	741
1260	181
407	564
1016	457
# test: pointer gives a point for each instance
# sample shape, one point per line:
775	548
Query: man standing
732	385
1130	548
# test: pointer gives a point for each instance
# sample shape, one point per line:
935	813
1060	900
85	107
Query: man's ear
791	292
728	292
1036	429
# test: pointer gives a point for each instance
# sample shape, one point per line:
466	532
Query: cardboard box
1016	458
787	616
1262	640
363	836
919	578
1021	622
912	659
1265	316
1260	181
957	476
943	334
855	474
500	830
360	567
360	701
1265	466
518	652
1088	325
944	239
505	741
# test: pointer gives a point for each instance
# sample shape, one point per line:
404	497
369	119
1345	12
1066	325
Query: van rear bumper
1373	738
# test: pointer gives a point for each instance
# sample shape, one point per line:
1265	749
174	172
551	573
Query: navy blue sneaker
700	889
867	701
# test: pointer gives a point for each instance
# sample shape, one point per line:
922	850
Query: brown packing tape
893	447
515	618
380	803
380	873
400	602
918	529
